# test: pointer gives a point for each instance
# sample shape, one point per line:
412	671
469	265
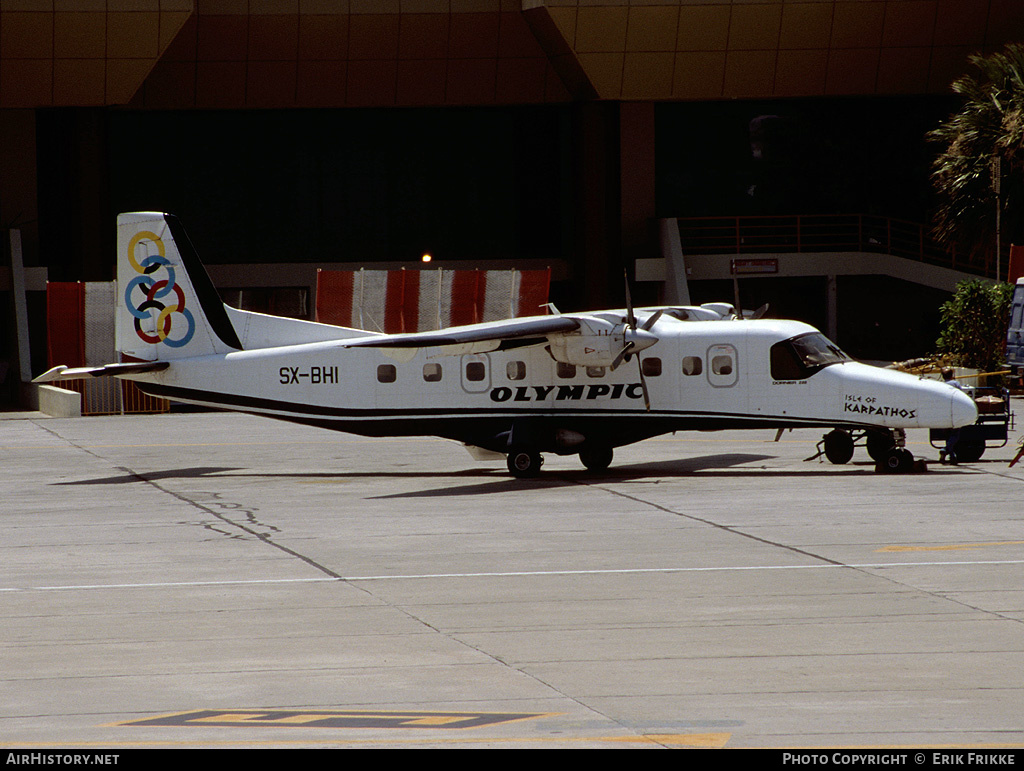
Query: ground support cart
995	421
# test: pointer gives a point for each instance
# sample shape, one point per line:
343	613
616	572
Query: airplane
564	383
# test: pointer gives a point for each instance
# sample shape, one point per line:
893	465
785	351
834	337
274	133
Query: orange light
426	258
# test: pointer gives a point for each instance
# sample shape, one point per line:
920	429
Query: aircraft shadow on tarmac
681	467
495	479
153	476
717	465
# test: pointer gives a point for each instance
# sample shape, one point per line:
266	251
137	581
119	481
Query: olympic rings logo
155	295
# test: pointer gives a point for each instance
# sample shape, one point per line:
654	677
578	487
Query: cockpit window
800	357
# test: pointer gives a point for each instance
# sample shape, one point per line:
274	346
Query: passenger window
722	365
565	371
432	372
386	373
651	366
692	365
516	370
475	371
595	371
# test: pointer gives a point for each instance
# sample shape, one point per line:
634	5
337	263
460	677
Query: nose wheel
885	446
524	464
898	460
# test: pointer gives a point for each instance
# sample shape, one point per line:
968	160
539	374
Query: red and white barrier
422	300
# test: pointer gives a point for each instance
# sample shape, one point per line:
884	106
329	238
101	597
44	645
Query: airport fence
825	233
80	331
110	396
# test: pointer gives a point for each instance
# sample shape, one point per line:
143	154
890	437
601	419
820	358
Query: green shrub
974	324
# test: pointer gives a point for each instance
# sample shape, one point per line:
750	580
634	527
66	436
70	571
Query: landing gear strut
885	446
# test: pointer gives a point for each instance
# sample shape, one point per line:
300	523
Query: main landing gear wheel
524	463
838	446
596	458
880	444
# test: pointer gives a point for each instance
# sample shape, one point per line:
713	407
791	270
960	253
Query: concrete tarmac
224	580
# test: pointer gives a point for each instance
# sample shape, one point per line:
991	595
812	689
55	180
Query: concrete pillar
640	236
596	179
676	288
615	197
18	188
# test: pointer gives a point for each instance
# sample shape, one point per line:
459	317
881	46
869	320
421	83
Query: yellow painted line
433	721
660	739
310	717
707	741
948	547
313	717
230	717
335	719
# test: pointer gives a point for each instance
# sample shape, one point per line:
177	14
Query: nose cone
883	397
640	338
963	411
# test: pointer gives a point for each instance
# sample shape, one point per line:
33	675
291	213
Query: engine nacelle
587	350
599	343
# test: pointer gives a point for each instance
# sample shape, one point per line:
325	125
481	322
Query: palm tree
988	126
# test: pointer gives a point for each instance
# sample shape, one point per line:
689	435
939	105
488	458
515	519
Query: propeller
652	320
758	313
635	339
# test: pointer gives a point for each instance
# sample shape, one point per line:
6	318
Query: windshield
800	357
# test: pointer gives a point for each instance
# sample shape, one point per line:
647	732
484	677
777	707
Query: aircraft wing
491	332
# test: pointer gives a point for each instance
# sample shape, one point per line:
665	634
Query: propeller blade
622	355
652	320
643	383
630	317
630	344
759	312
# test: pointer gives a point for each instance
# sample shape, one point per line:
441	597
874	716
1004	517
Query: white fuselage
700	375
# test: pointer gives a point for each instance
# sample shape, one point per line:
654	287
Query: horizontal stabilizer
62	372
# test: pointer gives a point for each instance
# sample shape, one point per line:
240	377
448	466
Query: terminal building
749	150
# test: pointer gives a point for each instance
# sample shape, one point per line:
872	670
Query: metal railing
824	233
109	396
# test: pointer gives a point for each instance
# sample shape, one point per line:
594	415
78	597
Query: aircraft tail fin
168	307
